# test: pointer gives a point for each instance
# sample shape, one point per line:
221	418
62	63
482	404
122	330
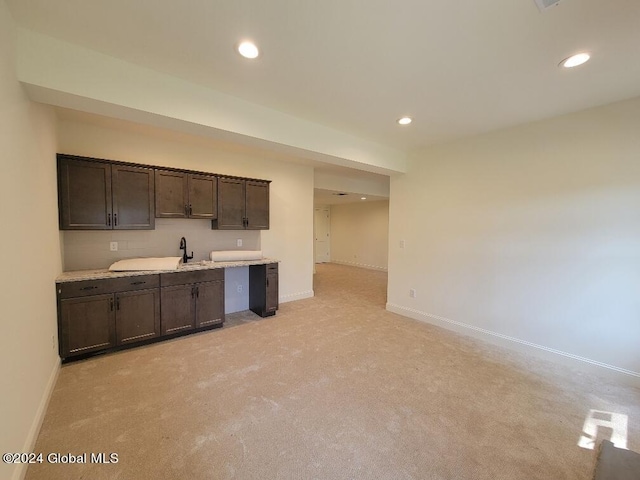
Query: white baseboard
292	297
628	376
361	265
30	442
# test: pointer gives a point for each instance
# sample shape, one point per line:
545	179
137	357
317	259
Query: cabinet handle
111	304
89	288
267	281
137	283
197	292
117	303
190	210
108	219
115	219
193	291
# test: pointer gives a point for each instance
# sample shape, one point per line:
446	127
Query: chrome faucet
183	246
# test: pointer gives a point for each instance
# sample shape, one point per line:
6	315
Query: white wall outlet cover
401	243
113	246
412	293
239	242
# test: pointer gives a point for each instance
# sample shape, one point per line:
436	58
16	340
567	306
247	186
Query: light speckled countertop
103	273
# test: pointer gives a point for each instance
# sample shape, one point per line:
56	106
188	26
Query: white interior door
322	234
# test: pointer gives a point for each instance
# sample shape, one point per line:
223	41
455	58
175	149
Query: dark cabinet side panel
133	198
231	204
171	194
203	196
178	309
209	304
84	194
87	325
137	315
263	289
257	204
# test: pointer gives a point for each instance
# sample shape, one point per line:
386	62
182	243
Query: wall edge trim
442	322
361	265
30	442
292	297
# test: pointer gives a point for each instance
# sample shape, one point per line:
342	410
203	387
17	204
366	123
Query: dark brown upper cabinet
95	195
242	205
186	195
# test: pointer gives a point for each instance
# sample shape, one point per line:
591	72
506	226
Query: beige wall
31	251
530	233
289	239
360	234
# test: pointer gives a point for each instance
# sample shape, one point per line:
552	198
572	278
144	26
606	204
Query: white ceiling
458	67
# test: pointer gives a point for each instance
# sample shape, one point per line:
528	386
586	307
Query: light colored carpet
332	387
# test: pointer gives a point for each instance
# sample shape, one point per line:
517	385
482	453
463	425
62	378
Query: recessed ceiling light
363	198
248	49
405	120
575	60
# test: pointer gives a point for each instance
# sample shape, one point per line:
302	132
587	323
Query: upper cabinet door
171	194
84	194
203	196
133	198
231	204
257	206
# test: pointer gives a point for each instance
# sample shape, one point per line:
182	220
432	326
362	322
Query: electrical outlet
412	293
53	342
401	243
240	288
113	246
239	242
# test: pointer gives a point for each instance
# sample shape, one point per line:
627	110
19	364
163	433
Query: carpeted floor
333	387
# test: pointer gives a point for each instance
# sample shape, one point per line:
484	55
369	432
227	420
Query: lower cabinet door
178	309
137	315
209	303
87	324
272	292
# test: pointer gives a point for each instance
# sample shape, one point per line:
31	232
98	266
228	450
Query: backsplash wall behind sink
87	250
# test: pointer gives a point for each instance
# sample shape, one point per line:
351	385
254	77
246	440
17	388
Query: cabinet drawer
138	282
85	288
183	278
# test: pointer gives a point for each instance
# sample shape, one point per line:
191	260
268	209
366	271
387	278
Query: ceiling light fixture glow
248	49
405	120
363	198
575	60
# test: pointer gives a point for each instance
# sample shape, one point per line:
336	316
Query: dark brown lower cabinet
137	315
197	305
209	303
96	315
191	299
263	289
87	324
178	309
